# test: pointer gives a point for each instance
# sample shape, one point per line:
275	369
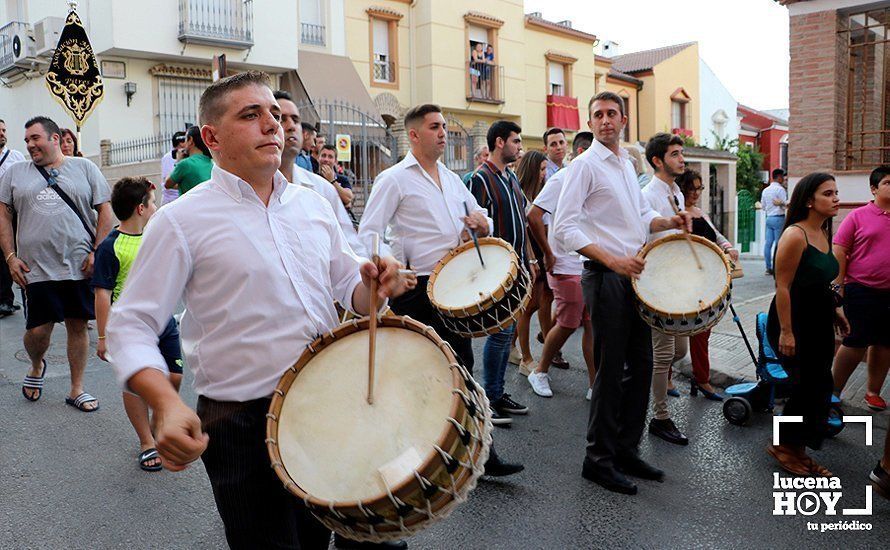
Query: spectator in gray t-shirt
52	256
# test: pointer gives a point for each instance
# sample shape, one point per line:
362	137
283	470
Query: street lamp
130	90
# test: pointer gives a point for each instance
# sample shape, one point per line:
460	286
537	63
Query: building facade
768	133
718	118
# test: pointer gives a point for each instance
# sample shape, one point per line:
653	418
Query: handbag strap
4	157
64	196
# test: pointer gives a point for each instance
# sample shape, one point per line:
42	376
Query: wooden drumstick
676	208
372	320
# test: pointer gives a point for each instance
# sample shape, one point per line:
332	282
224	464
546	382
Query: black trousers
416	304
623	351
6	294
256	509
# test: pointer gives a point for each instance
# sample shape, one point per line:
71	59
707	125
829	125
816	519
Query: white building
718	108
161	49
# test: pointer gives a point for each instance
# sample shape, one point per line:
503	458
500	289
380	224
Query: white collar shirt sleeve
659	195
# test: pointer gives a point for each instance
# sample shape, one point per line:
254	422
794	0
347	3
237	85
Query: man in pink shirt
862	248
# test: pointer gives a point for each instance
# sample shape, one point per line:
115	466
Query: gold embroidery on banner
74	78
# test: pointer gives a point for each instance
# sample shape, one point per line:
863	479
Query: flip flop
145	456
34	383
81	400
798	469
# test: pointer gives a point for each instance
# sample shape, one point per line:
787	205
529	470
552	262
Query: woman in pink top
862	248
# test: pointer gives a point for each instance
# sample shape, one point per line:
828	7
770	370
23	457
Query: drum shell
498	316
378	518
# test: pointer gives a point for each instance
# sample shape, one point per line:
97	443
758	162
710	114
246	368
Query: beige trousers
666	350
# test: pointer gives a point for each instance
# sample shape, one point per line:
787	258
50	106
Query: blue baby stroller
745	398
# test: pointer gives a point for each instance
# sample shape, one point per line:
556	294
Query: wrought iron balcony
384	71
485	82
216	22
312	34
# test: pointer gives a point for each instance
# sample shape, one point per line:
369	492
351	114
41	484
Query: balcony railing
312	34
485	82
134	150
216	22
7	32
384	71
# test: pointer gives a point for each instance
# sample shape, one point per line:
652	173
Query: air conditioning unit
46	35
16	50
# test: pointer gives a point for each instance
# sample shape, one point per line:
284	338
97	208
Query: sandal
789	462
815	468
559	362
34	383
146	456
81	400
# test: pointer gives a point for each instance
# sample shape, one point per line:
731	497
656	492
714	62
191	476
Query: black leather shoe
495	467
609	479
667	430
6	309
638	467
342	542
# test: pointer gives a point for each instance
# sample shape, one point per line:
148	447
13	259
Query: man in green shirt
194	169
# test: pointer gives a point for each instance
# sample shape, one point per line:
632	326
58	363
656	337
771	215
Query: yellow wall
680	71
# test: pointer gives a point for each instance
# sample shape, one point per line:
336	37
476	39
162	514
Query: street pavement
69	479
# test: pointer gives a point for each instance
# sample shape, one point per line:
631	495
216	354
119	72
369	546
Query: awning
322	78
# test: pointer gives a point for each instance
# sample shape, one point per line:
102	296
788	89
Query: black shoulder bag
4	157
51	181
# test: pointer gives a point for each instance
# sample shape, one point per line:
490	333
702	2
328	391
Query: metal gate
459	151
716	202
373	147
747	220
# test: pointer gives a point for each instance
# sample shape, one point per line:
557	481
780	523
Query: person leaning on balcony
862	248
774	199
477	63
193	169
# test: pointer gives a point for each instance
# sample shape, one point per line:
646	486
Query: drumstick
685	232
473	235
372	320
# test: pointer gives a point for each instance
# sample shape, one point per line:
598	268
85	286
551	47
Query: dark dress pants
623	351
256	510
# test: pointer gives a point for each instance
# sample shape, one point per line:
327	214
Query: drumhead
673	284
463	282
334	445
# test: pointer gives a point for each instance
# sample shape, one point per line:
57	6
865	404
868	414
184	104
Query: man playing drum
601	214
664	152
258	263
421	202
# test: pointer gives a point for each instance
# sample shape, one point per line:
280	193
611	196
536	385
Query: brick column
105	152
479	133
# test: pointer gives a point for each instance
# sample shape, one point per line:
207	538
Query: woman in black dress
802	320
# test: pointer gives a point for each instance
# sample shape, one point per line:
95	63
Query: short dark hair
778	172
178	137
48	125
552	132
329	147
583	140
128	193
879	173
658	146
608	96
195	133
309	127
417	113
282	94
686	180
501	129
211	105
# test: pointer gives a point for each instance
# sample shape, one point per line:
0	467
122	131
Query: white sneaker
540	382
589	394
527	367
515	356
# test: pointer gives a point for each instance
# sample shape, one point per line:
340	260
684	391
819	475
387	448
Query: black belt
596	267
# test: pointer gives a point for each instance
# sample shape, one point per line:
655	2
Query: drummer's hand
390	283
786	343
627	266
477	222
178	434
683	219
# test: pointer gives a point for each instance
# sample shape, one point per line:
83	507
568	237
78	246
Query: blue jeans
774	226
495	356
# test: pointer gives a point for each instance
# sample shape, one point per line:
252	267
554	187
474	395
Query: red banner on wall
562	112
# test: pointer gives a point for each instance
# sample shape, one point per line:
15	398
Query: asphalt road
69	479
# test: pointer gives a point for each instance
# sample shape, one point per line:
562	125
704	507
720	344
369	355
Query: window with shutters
384	47
312	27
484	76
178	102
557	79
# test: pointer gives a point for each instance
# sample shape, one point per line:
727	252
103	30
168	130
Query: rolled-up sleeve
148	300
567	229
379	210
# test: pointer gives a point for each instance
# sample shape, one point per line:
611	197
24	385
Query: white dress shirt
658	193
168	163
601	204
14	157
258	282
425	221
774	191
326	189
547	200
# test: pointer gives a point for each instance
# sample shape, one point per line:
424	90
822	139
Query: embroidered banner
73	77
